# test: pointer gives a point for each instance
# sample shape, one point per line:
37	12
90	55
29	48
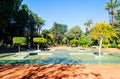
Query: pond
60	56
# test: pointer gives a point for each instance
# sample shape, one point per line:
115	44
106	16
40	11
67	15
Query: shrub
118	41
85	40
113	45
118	46
73	45
19	41
105	41
104	45
74	42
39	41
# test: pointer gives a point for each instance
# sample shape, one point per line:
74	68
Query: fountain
100	56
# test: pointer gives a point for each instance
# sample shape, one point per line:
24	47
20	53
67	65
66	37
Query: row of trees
17	20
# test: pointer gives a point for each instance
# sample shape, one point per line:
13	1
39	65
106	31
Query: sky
69	12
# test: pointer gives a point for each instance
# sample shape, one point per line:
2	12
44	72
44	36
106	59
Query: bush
106	41
118	46
104	45
118	41
39	40
74	43
84	40
19	40
113	45
85	45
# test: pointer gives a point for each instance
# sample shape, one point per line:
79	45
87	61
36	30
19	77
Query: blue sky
70	12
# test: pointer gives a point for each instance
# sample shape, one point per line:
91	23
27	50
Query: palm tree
87	25
110	7
40	22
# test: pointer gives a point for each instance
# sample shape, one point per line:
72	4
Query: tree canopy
103	28
74	32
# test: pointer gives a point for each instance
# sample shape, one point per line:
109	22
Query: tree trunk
112	18
37	46
18	48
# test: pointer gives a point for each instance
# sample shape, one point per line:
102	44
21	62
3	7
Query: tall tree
87	25
39	22
117	22
111	6
58	31
7	8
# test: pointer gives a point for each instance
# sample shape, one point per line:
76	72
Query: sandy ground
59	71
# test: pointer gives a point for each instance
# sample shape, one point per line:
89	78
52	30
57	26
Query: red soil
59	71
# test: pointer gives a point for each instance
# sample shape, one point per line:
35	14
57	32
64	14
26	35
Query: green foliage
6	14
74	32
74	42
58	31
19	40
85	40
73	45
118	45
117	17
17	20
39	40
105	41
118	41
113	45
105	29
110	7
87	25
105	45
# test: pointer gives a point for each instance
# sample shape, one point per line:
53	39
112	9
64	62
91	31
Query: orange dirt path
59	71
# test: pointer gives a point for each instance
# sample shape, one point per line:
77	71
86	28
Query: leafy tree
7	8
47	35
39	22
19	41
21	18
74	32
39	41
105	29
17	20
110	7
58	31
